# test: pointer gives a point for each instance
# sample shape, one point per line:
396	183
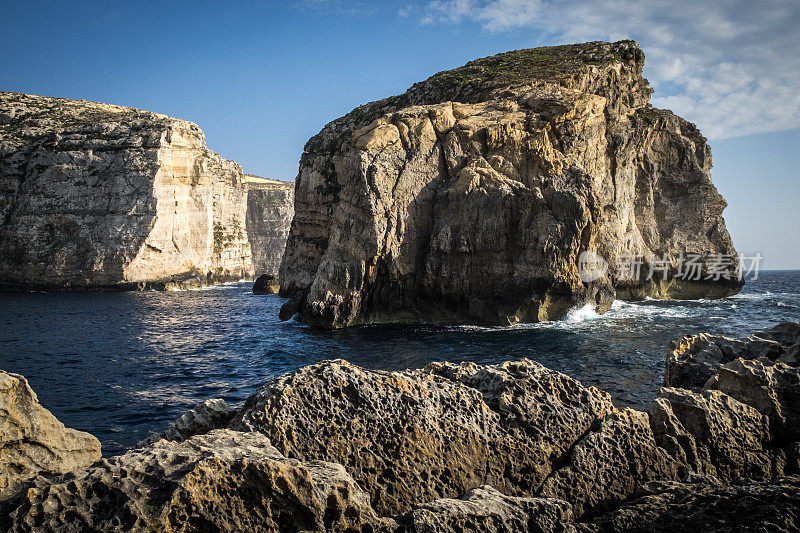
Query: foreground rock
96	196
762	371
438	432
708	507
32	440
451	447
487	510
471	197
222	481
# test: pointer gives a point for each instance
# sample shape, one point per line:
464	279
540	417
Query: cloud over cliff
733	67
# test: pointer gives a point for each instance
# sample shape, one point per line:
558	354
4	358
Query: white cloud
731	66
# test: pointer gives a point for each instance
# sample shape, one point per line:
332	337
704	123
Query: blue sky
261	78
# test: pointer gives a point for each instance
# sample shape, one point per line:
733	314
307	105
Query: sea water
122	365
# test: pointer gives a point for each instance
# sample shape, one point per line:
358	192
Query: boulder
32	440
202	418
472	197
485	510
221	481
694	359
713	434
415	436
266	284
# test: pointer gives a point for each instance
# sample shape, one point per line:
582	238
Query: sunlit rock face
100	196
471	197
270	208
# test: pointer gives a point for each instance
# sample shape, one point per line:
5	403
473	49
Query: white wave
582	314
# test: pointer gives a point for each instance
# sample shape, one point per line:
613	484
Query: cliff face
470	198
101	196
270	208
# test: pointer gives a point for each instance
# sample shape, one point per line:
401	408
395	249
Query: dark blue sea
121	365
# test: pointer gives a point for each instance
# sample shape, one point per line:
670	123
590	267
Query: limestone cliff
101	196
470	197
270	208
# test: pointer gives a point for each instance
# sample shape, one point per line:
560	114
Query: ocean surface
122	365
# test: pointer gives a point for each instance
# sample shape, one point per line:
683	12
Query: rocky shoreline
450	447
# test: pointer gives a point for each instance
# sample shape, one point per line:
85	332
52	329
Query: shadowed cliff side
471	197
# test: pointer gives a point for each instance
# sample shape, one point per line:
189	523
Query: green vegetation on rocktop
479	79
524	66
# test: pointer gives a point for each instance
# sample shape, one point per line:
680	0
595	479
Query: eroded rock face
270	208
487	510
745	506
694	359
713	434
438	432
202	418
469	198
32	440
221	481
97	196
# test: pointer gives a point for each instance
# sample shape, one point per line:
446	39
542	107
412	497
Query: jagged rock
710	508
202	418
97	196
470	197
772	389
32	440
222	481
410	437
713	434
694	359
486	510
609	465
266	284
270	208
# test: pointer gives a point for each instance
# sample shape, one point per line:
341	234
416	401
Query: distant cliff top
29	116
579	66
257	182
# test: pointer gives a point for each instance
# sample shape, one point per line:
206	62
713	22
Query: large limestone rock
762	371
221	481
97	196
32	440
417	436
270	208
470	197
713	434
694	359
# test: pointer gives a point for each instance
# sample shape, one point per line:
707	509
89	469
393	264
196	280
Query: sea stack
472	197
96	196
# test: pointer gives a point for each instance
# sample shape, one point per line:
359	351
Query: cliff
97	196
270	208
471	197
463	447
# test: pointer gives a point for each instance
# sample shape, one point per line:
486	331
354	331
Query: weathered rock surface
222	481
487	510
32	440
270	208
694	359
97	196
202	418
760	370
712	434
746	506
422	435
450	447
266	284
469	198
